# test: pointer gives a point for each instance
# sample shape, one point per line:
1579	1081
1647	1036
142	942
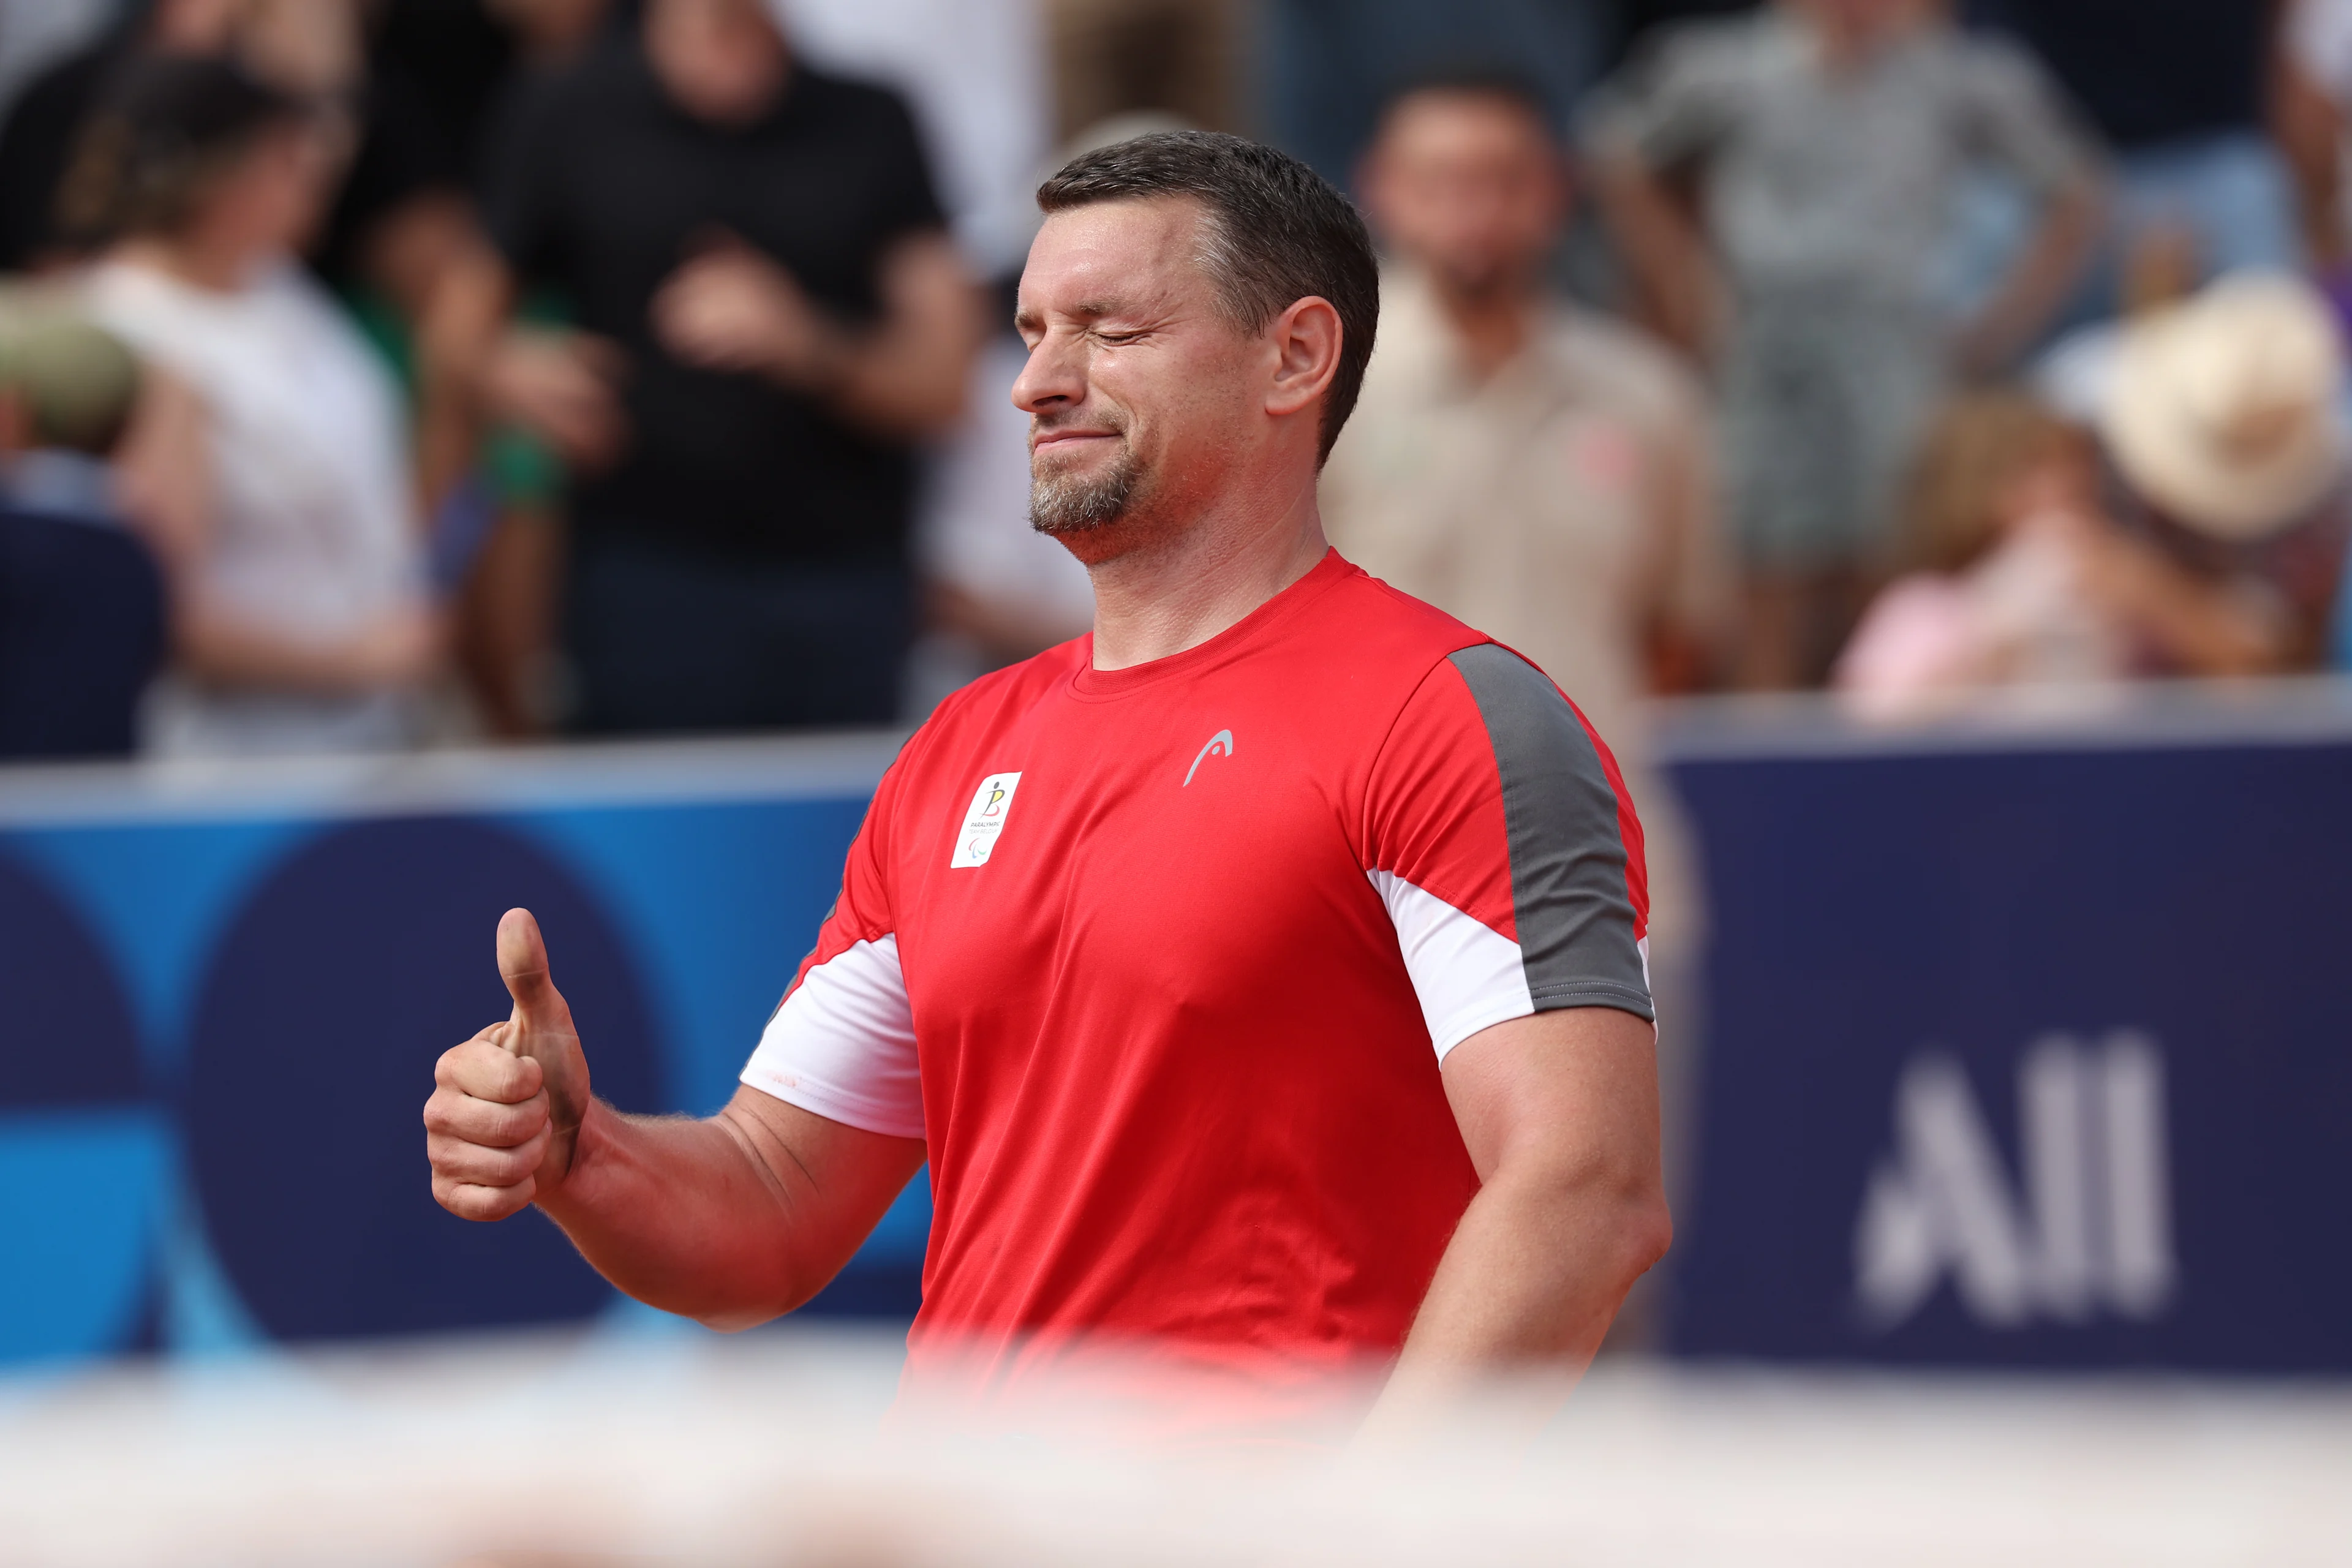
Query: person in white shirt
270	464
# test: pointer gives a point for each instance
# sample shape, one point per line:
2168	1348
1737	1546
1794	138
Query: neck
1179	591
1494	324
193	258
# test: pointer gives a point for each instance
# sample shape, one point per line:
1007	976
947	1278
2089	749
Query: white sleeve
1466	975
842	1044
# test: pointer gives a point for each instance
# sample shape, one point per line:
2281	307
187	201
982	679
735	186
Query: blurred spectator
976	75
1533	468
2224	422
1522	463
65	391
505	629
770	314
270	461
1826	137
39	138
1331	66
2020	578
81	605
1180	58
2181	92
2313	118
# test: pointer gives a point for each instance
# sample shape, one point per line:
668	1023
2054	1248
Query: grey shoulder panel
1569	894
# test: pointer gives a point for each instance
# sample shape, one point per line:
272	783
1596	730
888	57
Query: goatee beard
1072	504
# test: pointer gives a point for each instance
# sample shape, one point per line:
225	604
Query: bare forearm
2202	629
1534	1275
1669	260
910	377
682	1216
224	648
2036	284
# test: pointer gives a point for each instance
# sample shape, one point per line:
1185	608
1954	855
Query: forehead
1117	255
1446	121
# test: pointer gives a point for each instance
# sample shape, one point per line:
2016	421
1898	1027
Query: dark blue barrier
2026	1048
222	993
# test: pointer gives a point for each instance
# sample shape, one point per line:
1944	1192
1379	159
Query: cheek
1189	398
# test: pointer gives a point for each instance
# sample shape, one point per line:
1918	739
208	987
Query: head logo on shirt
1221	743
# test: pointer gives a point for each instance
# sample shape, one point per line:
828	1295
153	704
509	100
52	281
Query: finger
486	1121
454	1160
487	1068
522	962
470	1200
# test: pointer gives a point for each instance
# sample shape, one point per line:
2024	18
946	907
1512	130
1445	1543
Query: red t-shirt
1160	963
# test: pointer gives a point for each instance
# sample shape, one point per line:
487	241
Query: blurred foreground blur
547	1451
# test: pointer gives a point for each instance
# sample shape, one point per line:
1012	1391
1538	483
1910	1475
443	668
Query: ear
13	435
1306	340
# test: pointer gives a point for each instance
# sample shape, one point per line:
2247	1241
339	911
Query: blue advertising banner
2025	1046
222	993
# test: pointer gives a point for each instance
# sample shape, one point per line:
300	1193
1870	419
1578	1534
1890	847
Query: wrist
565	1177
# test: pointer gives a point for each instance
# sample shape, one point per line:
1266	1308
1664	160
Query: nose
1053	378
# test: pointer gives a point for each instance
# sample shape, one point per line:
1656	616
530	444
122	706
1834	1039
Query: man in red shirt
1262	976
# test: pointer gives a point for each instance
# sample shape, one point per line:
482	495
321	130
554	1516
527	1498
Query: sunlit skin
1131	360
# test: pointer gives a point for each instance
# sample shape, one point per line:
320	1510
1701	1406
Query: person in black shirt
770	314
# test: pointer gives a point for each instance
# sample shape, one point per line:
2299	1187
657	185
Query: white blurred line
765	1450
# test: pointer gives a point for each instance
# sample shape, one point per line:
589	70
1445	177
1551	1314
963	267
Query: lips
1050	439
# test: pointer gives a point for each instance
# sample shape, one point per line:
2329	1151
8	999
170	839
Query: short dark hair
1495	82
163	128
1278	233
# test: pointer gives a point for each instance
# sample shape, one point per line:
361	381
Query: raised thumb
522	963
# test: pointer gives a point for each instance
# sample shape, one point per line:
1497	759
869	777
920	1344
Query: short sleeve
1501	839
842	1041
2014	115
1676	101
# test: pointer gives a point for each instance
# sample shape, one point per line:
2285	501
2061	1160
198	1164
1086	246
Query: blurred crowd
379	373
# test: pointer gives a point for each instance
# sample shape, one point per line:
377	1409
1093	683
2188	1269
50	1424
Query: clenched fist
508	1104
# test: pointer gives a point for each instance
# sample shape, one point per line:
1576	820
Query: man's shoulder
1740	45
1383	631
1621	363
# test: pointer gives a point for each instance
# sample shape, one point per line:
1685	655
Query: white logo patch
990	804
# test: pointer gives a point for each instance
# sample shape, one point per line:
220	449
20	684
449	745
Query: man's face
1469	187
1863	25
269	200
720	60
1139	390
